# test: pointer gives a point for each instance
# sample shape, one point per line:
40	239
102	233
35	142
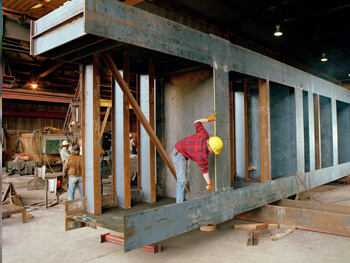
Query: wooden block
208	228
282	234
250	226
252	241
29	216
284	226
273	226
262	233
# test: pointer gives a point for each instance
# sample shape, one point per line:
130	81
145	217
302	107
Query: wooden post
232	132
152	152
246	131
317	131
126	132
265	137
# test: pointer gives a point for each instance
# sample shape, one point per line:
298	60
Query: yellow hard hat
216	144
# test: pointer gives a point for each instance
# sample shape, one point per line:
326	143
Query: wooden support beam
246	131
50	70
152	152
105	121
83	113
138	131
325	218
265	137
126	132
232	132
115	73
91	132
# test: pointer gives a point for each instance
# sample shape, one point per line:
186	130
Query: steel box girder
153	225
126	24
119	22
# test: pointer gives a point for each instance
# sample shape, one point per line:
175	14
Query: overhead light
34	86
324	59
278	32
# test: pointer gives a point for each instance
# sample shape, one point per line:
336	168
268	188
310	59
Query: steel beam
123	23
152	225
326	218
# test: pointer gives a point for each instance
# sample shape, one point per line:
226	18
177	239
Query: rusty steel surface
331	219
112	218
265	135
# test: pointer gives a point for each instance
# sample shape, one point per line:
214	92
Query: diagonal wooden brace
124	87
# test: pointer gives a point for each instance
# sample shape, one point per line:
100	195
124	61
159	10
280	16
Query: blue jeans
180	163
73	182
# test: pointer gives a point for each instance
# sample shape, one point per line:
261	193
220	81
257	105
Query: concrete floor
43	239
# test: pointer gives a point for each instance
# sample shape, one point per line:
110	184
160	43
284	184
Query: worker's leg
180	163
72	185
80	186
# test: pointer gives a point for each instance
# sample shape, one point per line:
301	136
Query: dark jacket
73	165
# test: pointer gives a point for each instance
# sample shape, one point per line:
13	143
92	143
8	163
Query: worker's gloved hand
212	117
209	187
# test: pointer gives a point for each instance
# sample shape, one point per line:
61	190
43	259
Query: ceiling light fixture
278	32
34	86
324	59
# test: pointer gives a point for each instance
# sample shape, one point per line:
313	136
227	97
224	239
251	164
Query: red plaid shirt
195	147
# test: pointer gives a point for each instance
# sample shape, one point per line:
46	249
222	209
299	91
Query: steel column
92	135
311	130
299	129
222	128
265	137
144	139
335	131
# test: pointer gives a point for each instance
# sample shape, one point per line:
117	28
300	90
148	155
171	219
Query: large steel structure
275	120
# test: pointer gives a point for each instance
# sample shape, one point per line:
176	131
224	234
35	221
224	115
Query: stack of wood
256	231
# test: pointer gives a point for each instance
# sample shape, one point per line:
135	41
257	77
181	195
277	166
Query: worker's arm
207	179
209	119
65	169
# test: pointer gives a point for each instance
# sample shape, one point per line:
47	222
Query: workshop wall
32	115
